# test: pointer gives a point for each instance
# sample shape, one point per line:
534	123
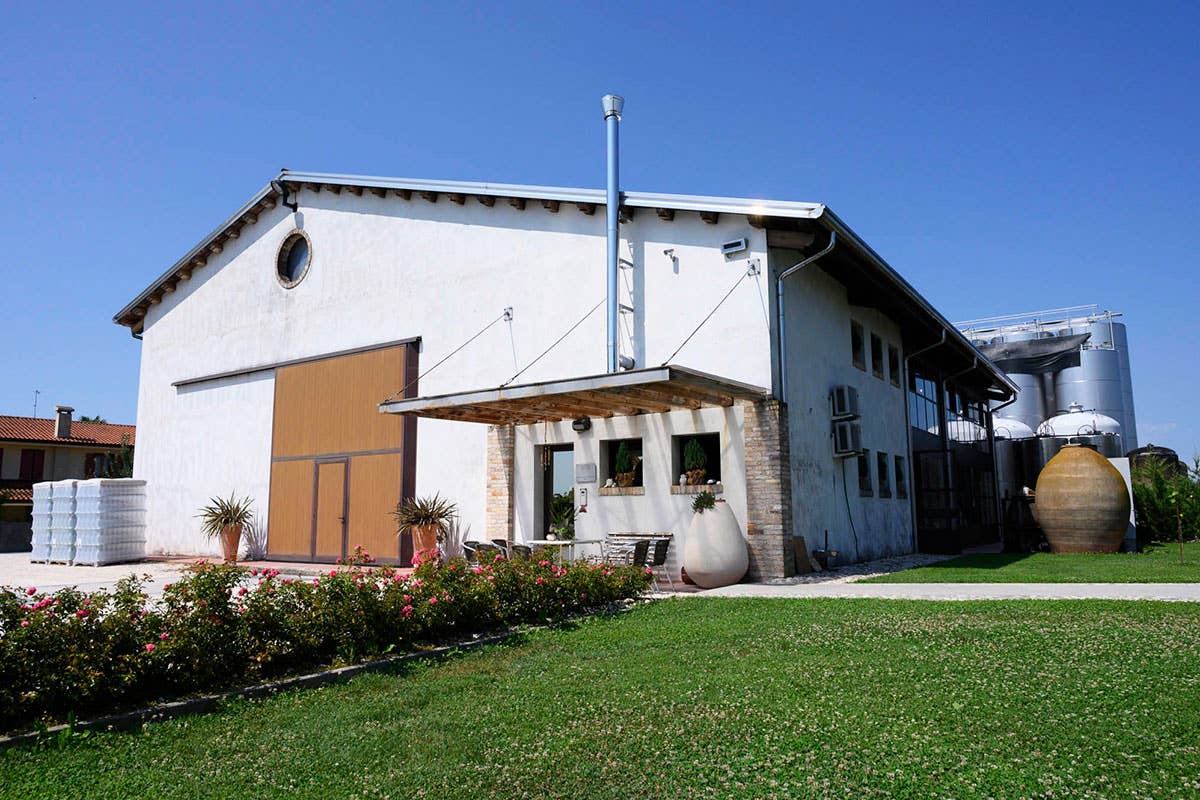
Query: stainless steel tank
1036	453
1030	405
1009	468
1129	423
1095	384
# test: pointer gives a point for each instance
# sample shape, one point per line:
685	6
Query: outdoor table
569	544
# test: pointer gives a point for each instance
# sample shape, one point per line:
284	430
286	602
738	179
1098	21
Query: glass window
857	346
922	402
864	474
876	356
881	468
901	478
894	364
291	263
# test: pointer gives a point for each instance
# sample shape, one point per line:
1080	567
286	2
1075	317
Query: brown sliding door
339	466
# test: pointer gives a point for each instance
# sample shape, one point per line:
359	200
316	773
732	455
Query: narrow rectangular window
622	462
881	467
858	346
894	364
864	474
33	464
901	478
876	356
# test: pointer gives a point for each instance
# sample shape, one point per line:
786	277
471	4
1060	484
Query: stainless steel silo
1030	405
1129	423
1095	384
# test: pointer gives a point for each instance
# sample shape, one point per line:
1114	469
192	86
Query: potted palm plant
427	519
225	519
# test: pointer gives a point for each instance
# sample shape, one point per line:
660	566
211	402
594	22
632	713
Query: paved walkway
17	570
1181	592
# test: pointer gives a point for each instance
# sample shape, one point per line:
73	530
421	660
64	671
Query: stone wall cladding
768	491
500	455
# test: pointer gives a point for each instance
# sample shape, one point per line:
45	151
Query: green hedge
73	652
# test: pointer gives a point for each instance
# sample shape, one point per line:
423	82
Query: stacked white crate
41	521
110	521
62	521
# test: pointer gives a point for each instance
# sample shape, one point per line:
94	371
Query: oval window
295	254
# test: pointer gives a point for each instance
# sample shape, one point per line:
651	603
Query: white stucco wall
819	358
388	269
655	511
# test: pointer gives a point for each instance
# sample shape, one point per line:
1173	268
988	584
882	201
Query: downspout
780	309
912	485
996	473
612	104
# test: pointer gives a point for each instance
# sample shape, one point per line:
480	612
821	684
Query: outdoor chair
486	552
640	551
504	546
658	560
469	549
521	551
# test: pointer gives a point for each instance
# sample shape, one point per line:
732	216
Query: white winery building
284	357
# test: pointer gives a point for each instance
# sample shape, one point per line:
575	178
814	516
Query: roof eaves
196	251
845	232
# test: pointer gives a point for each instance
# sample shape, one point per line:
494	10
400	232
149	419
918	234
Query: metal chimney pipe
613	104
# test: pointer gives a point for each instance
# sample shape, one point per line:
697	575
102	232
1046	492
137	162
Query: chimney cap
61	409
613	105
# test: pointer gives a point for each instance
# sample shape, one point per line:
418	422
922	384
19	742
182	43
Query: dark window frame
882	462
858	345
877	366
608	458
710	441
901	478
865	484
893	356
33	465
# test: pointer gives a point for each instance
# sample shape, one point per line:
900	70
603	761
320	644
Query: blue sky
1004	159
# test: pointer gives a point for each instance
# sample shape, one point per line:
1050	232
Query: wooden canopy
642	391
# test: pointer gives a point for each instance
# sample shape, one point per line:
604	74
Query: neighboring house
34	449
270	348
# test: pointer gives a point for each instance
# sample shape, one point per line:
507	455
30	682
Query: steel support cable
556	342
482	331
707	318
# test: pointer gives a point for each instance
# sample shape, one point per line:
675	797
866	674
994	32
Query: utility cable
752	269
556	342
507	314
512	339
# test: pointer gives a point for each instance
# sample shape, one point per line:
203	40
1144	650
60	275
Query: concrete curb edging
130	720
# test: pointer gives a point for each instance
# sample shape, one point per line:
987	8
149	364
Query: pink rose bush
223	626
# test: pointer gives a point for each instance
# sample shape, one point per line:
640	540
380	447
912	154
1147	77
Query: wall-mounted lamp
583	501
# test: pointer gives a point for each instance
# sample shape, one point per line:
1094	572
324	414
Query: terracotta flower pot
425	538
625	479
695	477
231	540
716	553
1081	502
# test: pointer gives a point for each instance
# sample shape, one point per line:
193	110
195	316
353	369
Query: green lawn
712	698
1159	563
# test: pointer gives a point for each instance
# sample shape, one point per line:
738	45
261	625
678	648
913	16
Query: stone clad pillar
768	490
500	456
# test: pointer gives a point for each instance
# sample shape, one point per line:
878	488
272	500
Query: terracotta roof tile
30	429
16	495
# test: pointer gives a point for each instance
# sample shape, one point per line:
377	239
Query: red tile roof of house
16	495
31	429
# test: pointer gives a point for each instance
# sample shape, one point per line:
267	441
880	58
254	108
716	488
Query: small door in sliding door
329	522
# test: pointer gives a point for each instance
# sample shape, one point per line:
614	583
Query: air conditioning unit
845	402
847	439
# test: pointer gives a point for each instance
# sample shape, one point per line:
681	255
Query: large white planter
716	552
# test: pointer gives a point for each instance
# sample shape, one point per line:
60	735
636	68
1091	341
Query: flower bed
75	652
